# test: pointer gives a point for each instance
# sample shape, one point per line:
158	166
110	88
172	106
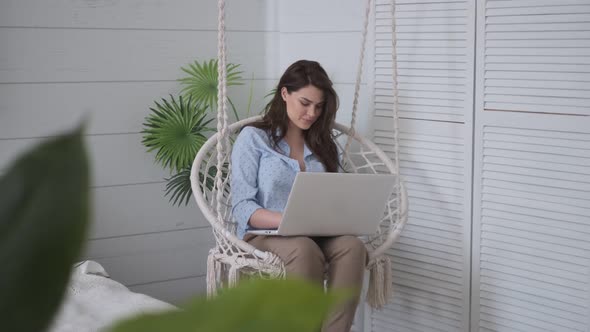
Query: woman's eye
304	104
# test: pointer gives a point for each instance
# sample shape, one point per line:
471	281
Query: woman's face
304	106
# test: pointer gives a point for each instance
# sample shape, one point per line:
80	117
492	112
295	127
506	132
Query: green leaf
178	187
176	130
43	222
254	306
203	78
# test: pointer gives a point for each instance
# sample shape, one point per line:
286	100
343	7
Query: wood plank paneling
109	107
175	291
151	257
138	209
74	55
121	159
108	60
149	15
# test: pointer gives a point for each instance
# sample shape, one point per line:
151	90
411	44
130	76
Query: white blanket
94	301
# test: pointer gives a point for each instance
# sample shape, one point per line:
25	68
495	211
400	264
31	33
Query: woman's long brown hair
318	137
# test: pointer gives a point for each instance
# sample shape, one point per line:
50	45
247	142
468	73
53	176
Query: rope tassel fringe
380	287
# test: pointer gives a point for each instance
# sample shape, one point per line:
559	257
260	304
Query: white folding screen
531	220
495	151
435	56
537	55
431	259
531	224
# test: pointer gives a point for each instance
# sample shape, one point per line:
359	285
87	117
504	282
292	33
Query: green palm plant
177	131
178	187
201	82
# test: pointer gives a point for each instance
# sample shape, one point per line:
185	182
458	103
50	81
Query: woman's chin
304	125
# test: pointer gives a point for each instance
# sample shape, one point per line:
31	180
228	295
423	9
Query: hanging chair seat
211	170
232	257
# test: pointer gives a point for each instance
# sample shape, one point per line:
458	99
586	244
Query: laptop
332	204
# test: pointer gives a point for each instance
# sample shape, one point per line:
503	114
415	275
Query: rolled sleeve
245	161
243	211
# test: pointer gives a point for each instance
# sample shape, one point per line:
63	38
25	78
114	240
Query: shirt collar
284	146
306	151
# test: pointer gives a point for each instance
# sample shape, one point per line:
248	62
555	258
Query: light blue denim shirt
261	176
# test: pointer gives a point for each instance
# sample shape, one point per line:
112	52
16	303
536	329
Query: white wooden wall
108	60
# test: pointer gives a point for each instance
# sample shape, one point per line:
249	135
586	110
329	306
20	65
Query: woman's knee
305	249
352	242
305	260
351	246
347	261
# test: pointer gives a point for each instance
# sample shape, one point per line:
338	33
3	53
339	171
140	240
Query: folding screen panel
431	262
531	217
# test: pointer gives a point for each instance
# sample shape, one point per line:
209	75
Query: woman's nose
312	111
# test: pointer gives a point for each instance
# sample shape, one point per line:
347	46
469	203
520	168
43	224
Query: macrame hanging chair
231	257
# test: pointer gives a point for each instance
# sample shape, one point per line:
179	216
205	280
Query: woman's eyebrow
311	101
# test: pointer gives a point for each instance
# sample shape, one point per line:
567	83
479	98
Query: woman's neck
296	141
294	135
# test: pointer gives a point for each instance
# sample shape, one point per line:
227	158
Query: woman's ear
284	93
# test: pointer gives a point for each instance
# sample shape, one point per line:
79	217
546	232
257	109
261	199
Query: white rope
380	282
395	102
212	269
359	73
222	119
394	78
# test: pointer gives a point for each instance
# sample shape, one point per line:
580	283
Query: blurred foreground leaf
43	221
254	306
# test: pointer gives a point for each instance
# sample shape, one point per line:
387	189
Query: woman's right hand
265	219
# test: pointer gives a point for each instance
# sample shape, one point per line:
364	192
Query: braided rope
359	72
222	118
395	100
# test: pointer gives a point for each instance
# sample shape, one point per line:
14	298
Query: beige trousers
308	257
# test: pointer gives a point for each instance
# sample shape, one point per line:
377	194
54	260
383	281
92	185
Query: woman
295	136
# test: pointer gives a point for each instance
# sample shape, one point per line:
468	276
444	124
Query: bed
94	301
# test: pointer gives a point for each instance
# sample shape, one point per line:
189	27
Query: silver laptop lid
330	204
